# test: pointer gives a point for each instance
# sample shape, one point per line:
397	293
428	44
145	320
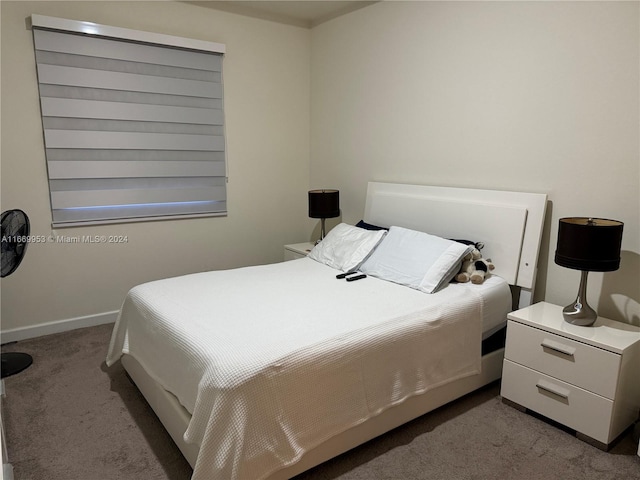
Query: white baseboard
17	334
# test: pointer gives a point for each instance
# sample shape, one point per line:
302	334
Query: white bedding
272	360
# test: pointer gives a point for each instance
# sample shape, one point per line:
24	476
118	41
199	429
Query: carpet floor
69	417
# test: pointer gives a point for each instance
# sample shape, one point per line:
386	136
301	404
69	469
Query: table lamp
589	245
324	204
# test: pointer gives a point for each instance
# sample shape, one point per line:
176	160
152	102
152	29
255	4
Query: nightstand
297	250
585	378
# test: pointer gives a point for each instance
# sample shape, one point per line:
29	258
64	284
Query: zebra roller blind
132	131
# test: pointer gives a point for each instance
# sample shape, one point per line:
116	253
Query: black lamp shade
589	244
324	203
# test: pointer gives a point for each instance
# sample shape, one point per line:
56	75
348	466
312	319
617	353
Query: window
133	123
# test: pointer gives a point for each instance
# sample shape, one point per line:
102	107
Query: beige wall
539	96
266	74
531	96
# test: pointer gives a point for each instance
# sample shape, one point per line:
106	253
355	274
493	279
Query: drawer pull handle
558	347
551	388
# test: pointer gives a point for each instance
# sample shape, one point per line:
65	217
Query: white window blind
133	131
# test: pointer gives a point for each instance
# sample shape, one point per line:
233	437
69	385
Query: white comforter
272	360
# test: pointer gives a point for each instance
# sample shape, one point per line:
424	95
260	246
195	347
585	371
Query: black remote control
343	275
356	277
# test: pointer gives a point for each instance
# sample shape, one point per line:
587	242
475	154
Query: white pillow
416	259
345	247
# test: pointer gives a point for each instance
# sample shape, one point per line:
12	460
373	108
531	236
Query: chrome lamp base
579	312
323	232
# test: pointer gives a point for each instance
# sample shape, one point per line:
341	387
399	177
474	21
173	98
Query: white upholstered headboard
508	223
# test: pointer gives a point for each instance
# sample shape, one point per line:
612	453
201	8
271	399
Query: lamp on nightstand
589	245
324	204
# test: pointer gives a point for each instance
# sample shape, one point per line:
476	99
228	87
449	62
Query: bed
267	371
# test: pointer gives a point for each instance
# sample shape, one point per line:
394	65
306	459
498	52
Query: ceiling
301	13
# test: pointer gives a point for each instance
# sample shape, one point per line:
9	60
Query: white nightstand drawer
574	407
582	365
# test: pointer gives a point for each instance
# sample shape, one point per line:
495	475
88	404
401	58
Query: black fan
15	238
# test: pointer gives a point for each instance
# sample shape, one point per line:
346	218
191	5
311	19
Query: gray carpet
68	417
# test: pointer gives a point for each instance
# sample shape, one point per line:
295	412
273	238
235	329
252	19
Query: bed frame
508	223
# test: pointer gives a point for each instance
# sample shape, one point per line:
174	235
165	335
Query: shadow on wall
547	251
620	293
